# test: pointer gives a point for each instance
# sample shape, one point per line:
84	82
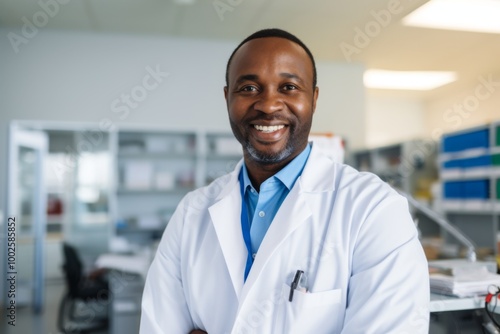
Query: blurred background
111	111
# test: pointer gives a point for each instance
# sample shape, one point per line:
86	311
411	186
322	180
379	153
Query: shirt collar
287	175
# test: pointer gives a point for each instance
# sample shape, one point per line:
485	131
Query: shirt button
253	255
252	190
262	214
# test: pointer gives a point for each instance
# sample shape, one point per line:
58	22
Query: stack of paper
136	264
465	283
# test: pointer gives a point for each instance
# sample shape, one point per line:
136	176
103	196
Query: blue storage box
481	161
465	141
477	189
453	164
453	189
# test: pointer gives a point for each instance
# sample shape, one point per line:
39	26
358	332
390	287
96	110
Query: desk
125	308
442	303
450	322
126	282
135	264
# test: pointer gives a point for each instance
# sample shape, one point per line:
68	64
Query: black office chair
84	306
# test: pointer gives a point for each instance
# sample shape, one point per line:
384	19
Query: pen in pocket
298	283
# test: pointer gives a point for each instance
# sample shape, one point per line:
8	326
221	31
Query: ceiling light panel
465	15
407	80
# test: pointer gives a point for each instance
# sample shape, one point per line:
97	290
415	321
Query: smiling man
271	96
290	241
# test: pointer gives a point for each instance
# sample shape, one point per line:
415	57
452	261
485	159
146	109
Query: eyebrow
292	76
254	77
245	77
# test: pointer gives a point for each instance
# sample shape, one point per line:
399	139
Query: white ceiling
323	25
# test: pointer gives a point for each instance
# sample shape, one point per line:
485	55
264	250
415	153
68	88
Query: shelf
218	156
471	206
449	174
134	230
469	153
157	155
410	164
175	191
164	165
93	218
442	303
470	183
54	219
54	228
388	171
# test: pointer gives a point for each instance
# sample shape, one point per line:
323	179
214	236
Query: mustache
269	117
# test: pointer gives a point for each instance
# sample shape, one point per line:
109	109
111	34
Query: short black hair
274	32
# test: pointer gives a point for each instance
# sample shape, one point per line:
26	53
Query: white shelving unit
156	168
469	167
403	165
409	166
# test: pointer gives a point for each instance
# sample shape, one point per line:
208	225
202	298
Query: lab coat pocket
311	312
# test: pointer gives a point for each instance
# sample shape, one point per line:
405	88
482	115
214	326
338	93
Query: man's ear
225	93
315	98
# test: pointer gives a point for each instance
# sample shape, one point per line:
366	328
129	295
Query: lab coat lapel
293	212
226	219
317	178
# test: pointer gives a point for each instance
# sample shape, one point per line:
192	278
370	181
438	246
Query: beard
266	158
298	136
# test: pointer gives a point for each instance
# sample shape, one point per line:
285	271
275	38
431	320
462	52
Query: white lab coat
350	232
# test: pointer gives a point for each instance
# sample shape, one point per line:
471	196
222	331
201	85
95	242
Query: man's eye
248	89
289	87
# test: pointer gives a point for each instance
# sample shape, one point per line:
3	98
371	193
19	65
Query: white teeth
268	129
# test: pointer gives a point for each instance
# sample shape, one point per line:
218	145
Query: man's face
271	99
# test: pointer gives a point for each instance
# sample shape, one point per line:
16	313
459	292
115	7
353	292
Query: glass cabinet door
88	193
26	193
26	204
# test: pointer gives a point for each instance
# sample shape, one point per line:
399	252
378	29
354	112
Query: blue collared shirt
262	206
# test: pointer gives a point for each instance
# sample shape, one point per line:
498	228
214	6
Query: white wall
392	119
477	104
76	76
341	102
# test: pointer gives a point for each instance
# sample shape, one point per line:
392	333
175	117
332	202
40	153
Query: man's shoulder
352	179
345	173
351	173
322	172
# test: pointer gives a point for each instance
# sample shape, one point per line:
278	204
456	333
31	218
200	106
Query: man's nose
269	102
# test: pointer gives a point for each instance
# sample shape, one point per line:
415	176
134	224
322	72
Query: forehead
268	54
